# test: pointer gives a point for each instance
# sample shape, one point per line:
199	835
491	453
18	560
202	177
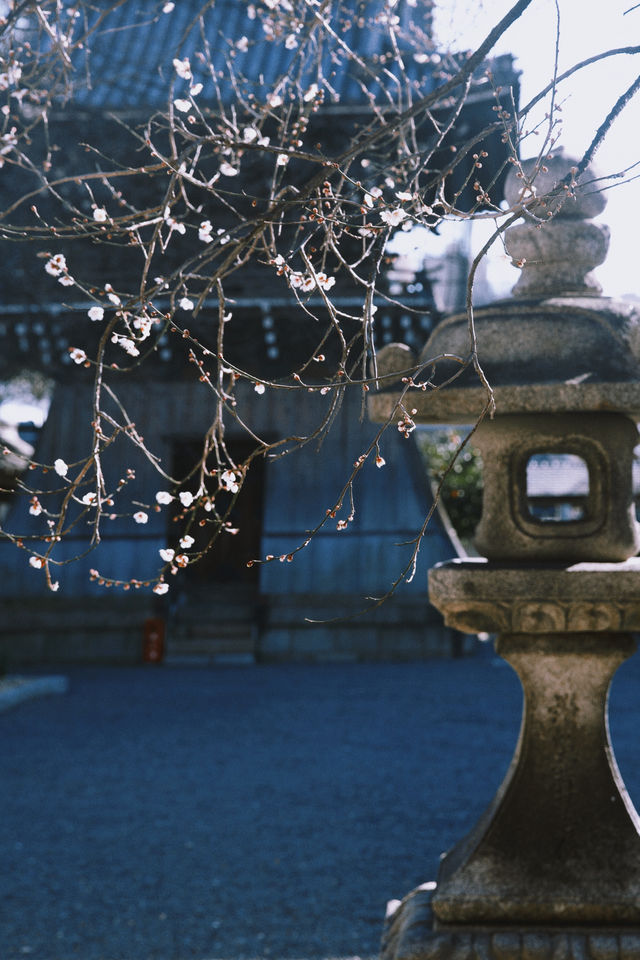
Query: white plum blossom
195	89
393	217
174	224
36	507
100	214
77	355
403	195
36	562
227	170
182	105
168	7
229	481
324	281
274	100
183	68
204	231
311	93
259	388
141	517
163	497
90	499
282	160
111	295
127	344
380	461
181	560
60	467
56	265
161	588
186	498
167	554
11	76
186	304
66	280
8	141
143	325
243	44
186	541
96	313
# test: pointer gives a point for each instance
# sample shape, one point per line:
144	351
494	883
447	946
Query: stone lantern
552	869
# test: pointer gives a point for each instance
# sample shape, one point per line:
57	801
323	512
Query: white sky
587	27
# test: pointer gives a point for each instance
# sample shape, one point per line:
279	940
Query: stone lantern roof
557	344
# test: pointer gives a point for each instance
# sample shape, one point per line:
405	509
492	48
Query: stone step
211	642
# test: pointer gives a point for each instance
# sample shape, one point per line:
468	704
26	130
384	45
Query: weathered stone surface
586	201
543	339
630	946
482	597
573	247
536	946
428	943
603	946
608	529
552	869
559	844
555	346
457	404
394	358
506	946
555	247
410	934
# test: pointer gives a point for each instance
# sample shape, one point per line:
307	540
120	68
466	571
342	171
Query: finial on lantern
556	247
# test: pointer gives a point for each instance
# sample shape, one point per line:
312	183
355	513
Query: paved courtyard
170	813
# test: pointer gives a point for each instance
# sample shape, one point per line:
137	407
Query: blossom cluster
307	282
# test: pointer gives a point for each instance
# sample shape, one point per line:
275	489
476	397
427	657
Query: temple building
319	605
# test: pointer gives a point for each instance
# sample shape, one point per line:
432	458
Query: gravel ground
170	813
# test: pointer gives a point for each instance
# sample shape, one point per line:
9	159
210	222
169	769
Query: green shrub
461	493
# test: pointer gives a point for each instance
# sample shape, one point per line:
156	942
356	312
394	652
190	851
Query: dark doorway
225	564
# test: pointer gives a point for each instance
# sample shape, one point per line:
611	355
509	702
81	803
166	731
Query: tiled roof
41	336
131	52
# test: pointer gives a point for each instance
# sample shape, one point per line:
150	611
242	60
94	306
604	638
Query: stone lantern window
603	443
561	495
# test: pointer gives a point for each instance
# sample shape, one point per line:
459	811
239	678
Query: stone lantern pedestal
552	869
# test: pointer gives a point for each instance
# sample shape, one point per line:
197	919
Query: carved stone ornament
476	596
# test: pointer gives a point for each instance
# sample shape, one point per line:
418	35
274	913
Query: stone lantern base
411	933
552	868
